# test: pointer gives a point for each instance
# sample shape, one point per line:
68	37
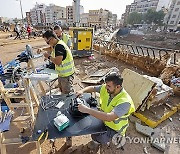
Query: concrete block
156	139
148	131
159	146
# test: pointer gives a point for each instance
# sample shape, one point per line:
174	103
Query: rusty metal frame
140	50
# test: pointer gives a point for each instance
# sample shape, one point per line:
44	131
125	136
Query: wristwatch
49	57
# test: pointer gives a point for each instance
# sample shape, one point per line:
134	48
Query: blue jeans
105	137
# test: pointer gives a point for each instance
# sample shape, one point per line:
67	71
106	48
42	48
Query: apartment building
133	7
69	15
110	18
37	14
84	18
102	18
52	14
126	14
142	6
114	20
94	18
173	16
98	18
3	19
55	15
28	18
163	4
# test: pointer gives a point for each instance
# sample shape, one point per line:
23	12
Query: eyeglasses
48	40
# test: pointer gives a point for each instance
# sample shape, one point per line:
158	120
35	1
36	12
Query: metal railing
141	50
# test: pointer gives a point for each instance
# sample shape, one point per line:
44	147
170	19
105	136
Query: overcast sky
11	8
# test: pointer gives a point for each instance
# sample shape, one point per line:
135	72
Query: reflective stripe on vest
66	68
120	124
66	64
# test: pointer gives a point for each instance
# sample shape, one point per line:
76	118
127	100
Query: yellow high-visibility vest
66	68
65	38
120	124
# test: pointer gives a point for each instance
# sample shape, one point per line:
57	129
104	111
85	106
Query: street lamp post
21	10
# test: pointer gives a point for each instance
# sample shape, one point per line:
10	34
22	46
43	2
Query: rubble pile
151	65
161	40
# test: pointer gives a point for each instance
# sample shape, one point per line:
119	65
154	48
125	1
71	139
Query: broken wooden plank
38	147
12	90
21	118
12	141
14	105
3	147
12	95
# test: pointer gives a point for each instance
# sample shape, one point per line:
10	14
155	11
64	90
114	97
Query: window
176	9
178	3
172	22
174	16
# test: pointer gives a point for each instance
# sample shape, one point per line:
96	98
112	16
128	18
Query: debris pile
175	84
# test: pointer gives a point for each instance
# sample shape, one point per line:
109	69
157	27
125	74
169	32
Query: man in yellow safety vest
60	35
115	107
63	36
60	55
